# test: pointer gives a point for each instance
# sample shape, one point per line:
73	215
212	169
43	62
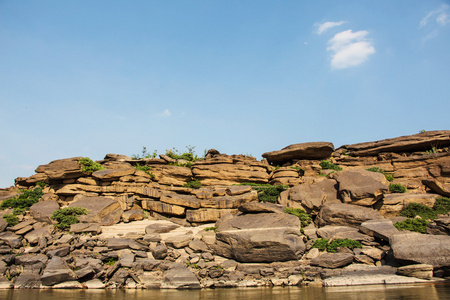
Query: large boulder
57	271
265	237
104	211
412	247
361	187
42	211
312	196
62	169
332	260
381	228
345	215
312	150
410	143
180	278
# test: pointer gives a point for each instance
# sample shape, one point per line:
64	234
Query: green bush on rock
326	164
303	216
416	224
325	244
193	184
442	205
416	209
389	177
25	199
68	216
11	219
267	192
397	188
89	166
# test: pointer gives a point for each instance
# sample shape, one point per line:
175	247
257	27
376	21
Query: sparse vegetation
442	206
388	176
397	188
327	165
146	169
144	154
331	246
213	228
111	261
89	166
304	217
25	199
416	224
68	216
193	184
267	192
416	209
11	219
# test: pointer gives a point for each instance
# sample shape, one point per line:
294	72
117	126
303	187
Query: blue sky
87	78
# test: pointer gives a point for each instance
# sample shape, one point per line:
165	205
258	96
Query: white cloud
440	15
165	113
327	25
350	49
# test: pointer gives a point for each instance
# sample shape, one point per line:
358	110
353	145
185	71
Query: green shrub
189	155
416	209
397	188
304	217
267	192
388	176
146	169
442	206
11	219
325	244
25	199
68	216
213	228
89	166
416	224
325	164
193	184
111	261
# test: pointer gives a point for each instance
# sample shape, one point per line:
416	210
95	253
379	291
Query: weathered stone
180	278
332	260
345	215
311	197
439	226
422	271
3	224
31	259
62	169
437	187
104	211
133	215
180	240
416	142
159	252
60	251
342	232
117	244
206	215
198	245
56	272
313	150
157	228
361	187
229	174
94	284
264	237
391	204
382	228
373	252
181	200
112	174
421	248
86	227
163	208
42	211
13	240
127	259
238	190
261	207
225	202
172	175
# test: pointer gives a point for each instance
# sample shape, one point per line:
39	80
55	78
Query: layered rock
313	150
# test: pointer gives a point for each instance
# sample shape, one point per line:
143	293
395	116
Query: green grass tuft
416	224
327	165
68	216
89	166
303	216
397	188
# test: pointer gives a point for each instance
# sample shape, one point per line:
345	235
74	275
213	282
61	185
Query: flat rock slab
346	215
382	228
313	150
102	210
421	248
42	211
180	278
350	280
410	143
332	260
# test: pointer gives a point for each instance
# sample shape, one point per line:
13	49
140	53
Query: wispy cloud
322	27
350	49
440	15
165	113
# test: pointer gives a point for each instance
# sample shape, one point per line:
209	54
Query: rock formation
170	223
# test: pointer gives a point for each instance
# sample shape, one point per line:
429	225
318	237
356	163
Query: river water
404	292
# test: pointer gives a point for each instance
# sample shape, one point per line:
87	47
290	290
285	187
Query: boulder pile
147	226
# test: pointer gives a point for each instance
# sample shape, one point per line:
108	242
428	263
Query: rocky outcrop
345	215
313	150
101	210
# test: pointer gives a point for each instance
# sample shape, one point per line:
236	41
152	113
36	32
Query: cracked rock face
265	237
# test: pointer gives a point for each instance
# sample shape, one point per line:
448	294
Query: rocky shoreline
147	226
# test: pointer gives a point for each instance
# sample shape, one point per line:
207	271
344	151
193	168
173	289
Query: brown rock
104	211
345	215
422	271
206	215
437	187
163	208
361	187
411	143
261	207
42	211
229	174
112	174
391	204
332	260
313	150
62	169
